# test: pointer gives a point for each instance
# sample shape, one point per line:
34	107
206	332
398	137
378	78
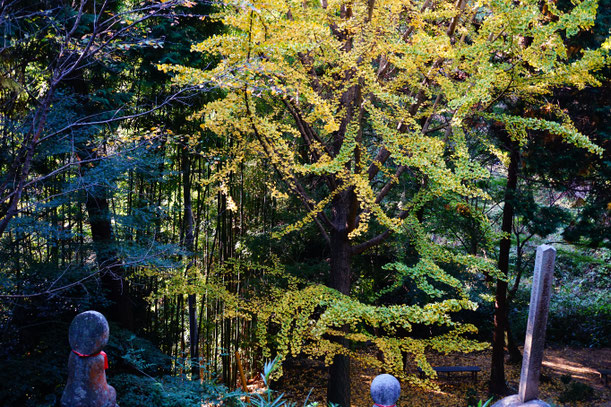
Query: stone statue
87	362
385	390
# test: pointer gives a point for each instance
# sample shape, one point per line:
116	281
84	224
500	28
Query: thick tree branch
392	182
376	240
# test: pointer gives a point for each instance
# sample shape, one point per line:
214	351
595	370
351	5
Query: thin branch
81	122
295	185
374	241
392	182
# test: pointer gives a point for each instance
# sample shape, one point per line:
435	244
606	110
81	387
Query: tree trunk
497	373
515	356
109	264
338	389
188	243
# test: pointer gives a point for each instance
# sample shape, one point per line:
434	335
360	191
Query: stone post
537	321
385	390
87	386
535	332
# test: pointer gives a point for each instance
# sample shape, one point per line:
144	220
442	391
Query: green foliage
583	320
538	218
481	403
576	391
167	391
126	351
268	398
580	314
34	379
303	320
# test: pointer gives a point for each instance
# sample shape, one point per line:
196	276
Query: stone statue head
88	333
385	390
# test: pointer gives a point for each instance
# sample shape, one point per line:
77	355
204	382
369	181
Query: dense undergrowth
580	311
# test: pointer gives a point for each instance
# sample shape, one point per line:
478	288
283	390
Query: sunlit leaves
304	329
316	90
281	52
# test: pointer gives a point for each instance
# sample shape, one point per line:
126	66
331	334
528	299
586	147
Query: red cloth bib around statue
94	354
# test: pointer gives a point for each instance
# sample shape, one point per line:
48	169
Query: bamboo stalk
242	376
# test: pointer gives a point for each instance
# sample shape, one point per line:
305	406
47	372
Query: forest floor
581	364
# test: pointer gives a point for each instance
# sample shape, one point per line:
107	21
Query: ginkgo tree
345	100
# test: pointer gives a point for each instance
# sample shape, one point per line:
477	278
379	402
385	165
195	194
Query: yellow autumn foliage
357	93
287	67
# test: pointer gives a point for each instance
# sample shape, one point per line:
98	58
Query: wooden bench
603	375
454	369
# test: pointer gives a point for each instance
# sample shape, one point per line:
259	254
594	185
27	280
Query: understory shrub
576	391
168	391
579	315
580	321
271	398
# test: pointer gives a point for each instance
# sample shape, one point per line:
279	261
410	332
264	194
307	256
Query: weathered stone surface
87	386
514	401
537	320
535	332
88	332
385	390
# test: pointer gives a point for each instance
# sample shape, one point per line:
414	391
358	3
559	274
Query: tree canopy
333	179
346	100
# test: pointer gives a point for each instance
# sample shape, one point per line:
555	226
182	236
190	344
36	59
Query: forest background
220	184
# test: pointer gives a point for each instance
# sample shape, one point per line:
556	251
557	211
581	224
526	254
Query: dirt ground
582	364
